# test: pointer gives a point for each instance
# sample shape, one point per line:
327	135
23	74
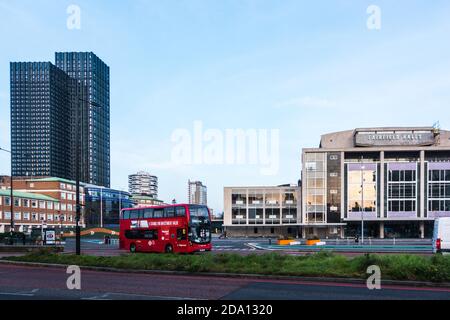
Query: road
21	282
248	245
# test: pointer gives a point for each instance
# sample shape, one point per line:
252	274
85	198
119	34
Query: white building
143	183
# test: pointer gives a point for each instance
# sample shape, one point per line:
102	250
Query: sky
288	68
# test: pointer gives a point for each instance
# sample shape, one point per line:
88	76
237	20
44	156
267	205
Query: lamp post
362	201
11	198
78	124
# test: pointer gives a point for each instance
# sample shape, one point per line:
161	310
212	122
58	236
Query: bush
321	264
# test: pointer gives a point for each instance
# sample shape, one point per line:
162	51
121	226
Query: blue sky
303	67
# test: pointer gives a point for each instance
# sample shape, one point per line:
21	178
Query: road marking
107	295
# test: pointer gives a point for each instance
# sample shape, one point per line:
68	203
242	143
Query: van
441	235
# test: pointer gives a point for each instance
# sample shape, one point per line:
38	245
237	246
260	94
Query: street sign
49	236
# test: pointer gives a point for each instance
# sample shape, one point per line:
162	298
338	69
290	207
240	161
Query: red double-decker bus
171	228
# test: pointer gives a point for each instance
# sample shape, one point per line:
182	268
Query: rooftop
27	195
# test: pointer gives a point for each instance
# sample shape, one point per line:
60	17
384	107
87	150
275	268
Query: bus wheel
133	248
169	248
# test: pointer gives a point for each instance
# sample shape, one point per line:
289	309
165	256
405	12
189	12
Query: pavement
23	282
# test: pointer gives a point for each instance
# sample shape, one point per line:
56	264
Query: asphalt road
21	282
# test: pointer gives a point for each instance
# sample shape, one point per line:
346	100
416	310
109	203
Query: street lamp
77	175
12	194
362	201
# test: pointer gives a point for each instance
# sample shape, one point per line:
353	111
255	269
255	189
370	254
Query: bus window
181	234
158	213
170	212
150	235
132	234
134	214
148	213
126	214
181	212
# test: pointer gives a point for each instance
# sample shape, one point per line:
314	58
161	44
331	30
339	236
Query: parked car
441	235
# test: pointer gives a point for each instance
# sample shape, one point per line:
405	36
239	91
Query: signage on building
385	139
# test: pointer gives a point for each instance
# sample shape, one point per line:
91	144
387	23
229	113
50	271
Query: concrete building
145	201
396	180
143	183
262	211
197	193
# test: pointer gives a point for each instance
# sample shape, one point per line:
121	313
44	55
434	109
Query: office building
103	206
49	201
53	106
143	183
197	193
40	127
262	211
394	181
92	74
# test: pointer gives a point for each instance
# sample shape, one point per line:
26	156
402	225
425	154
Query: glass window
148	213
134	214
169	212
158	213
126	214
181	211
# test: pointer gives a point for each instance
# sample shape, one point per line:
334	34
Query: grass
323	264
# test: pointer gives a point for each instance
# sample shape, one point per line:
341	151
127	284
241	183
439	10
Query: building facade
262	211
197	193
56	108
145	201
49	201
394	180
93	77
40	127
143	183
103	206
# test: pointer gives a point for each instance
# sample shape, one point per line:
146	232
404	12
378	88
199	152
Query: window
63	195
126	214
42	217
34	216
50	217
49	205
158	213
16	202
7	216
169	212
439	190
26	203
63	207
57	206
7	201
42	204
34	204
26	216
134	214
17	216
69	196
180	211
181	234
69	207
